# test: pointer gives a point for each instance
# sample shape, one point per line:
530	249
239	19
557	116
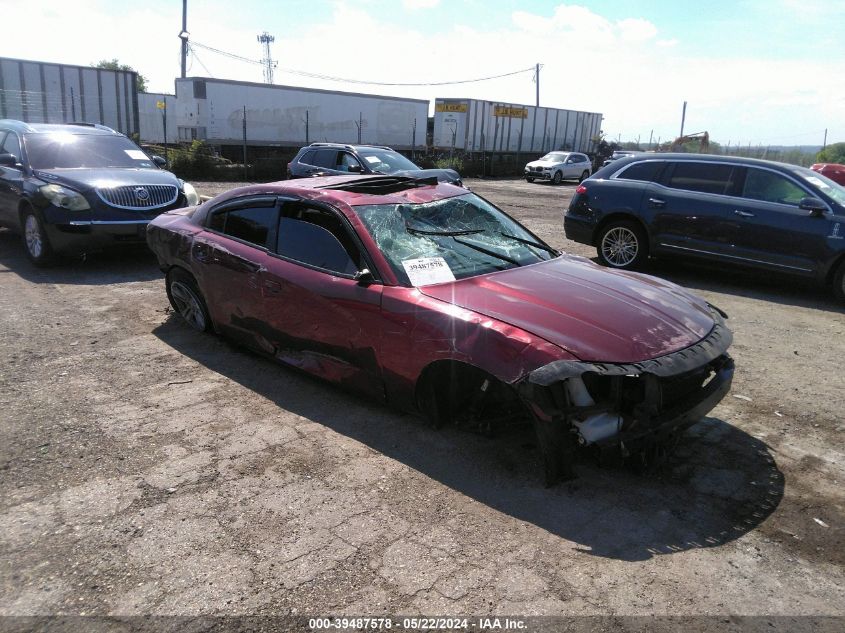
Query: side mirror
158	160
364	277
355	169
8	160
815	206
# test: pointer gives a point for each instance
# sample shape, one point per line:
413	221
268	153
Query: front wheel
622	244
529	179
35	240
558	177
186	299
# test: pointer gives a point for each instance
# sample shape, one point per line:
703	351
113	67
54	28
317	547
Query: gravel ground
149	469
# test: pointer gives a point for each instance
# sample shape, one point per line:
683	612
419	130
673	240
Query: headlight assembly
191	194
64	198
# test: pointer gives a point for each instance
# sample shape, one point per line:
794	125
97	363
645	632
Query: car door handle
743	214
656	203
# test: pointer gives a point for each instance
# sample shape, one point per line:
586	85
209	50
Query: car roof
352	190
51	128
683	156
348	146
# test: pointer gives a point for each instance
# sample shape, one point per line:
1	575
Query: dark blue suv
733	210
77	188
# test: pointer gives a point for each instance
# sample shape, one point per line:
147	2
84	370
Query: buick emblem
141	193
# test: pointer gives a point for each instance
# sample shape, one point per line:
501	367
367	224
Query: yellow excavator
703	139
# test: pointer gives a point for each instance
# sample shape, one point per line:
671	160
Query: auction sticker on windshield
136	154
428	270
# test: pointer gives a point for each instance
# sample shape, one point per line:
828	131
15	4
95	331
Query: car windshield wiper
411	229
487	251
542	247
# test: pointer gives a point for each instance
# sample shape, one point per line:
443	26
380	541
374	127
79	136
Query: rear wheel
839	282
558	177
584	175
622	244
187	300
529	179
35	239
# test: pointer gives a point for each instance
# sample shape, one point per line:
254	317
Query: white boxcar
214	110
41	92
500	127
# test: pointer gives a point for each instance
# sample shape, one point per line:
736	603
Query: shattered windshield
385	161
458	237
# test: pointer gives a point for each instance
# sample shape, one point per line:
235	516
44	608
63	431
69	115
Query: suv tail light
581	189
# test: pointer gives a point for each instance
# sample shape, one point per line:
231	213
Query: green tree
105	64
832	154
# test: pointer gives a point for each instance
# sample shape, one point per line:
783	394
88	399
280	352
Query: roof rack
96	126
348	146
380	185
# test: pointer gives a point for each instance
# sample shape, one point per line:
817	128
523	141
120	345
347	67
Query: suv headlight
191	195
64	198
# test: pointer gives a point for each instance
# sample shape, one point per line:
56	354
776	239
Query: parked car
429	297
621	153
834	171
738	211
334	159
79	187
559	166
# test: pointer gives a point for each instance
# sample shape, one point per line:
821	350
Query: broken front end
631	410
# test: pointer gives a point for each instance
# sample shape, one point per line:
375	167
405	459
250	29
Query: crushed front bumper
652	400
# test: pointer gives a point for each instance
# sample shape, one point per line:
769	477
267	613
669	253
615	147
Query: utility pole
537	81
683	118
245	173
184	37
266	39
825	139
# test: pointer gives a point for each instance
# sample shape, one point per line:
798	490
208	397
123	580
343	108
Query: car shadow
130	263
717	485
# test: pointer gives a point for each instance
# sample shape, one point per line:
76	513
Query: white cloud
413	5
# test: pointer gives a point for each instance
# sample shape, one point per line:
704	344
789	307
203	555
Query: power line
303	73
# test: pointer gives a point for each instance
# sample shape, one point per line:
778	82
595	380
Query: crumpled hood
83	180
594	313
442	175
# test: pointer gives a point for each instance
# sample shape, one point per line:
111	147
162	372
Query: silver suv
559	166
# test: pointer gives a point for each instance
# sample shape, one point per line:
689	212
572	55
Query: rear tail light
581	189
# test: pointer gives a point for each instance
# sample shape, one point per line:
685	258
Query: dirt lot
148	469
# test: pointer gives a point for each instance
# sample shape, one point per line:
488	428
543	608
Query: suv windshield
384	161
63	150
469	233
824	184
555	157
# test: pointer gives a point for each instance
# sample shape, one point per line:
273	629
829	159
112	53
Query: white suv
558	166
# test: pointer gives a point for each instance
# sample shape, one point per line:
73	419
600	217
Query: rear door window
11	145
647	171
702	177
253	223
761	184
326	158
308	157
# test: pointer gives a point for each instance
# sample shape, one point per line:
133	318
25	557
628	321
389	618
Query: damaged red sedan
431	298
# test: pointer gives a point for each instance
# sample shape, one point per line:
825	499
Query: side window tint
319	239
326	158
648	171
347	160
217	221
308	158
702	177
11	145
253	225
771	187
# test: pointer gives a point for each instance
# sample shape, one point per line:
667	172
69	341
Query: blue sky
753	71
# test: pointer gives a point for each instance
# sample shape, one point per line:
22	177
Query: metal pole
650	136
306	127
72	105
537	76
825	139
683	118
164	122
244	123
184	37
